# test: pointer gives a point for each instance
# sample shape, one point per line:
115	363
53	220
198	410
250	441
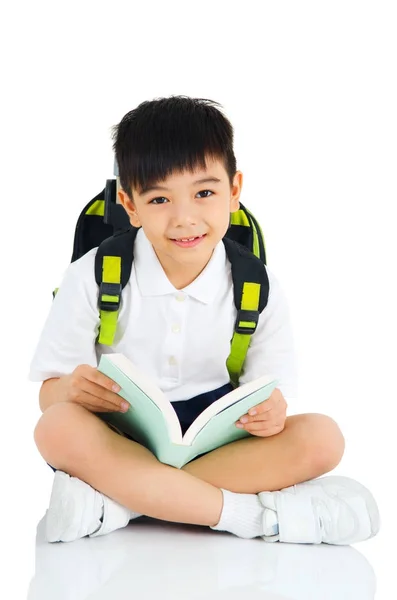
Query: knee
323	441
56	429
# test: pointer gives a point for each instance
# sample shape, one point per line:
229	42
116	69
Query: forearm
51	392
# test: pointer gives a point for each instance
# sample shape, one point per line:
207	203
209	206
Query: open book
152	421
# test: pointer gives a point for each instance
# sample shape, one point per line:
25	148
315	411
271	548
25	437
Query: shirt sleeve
70	330
272	348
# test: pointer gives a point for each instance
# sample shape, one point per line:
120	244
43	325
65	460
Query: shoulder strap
245	230
113	264
251	293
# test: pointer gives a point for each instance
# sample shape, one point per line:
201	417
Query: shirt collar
152	280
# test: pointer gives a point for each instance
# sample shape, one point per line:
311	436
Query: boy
179	184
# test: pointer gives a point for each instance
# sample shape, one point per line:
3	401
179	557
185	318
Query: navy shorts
188	410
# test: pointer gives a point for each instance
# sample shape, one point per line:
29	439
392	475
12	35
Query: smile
188	242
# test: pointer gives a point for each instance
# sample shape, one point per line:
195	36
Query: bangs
169	136
153	168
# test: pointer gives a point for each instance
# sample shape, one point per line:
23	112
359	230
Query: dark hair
169	135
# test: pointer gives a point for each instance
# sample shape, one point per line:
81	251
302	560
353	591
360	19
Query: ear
236	191
129	208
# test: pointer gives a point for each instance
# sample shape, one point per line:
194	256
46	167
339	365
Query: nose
183	214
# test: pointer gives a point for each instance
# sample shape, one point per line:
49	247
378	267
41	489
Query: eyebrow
158	187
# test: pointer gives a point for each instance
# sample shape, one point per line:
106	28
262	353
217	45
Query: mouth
188	242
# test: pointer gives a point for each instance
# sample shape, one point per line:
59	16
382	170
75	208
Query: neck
183	275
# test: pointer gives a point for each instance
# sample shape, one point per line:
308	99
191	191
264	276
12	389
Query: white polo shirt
180	338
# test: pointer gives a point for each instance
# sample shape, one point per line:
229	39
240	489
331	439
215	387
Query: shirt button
175	328
172	361
180	298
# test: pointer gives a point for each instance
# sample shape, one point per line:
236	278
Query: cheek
220	220
154	230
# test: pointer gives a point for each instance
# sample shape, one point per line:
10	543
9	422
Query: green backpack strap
113	264
251	294
245	230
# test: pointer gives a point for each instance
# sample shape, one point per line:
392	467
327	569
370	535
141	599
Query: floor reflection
154	558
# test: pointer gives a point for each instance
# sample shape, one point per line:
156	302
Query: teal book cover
152	421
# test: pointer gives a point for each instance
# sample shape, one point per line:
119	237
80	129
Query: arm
68	336
66	358
271	352
272	348
48	394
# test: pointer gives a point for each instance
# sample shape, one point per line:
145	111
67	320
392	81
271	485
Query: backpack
103	223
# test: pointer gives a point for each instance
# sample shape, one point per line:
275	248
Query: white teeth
188	239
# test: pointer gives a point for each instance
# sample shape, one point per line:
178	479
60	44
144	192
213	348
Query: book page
150	389
226	401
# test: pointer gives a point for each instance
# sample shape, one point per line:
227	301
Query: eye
202	192
155	200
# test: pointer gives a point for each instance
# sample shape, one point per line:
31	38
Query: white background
310	88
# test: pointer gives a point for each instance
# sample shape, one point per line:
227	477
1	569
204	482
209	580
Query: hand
269	418
92	389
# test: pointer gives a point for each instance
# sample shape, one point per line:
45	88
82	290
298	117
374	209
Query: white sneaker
76	510
332	510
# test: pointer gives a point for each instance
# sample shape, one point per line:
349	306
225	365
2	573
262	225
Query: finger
92	374
95	404
266	433
90	402
94	408
262	408
266	417
261	426
261	417
276	416
269	404
102	397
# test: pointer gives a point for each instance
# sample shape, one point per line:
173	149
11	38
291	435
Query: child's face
183	211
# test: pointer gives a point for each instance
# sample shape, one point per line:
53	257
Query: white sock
245	516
